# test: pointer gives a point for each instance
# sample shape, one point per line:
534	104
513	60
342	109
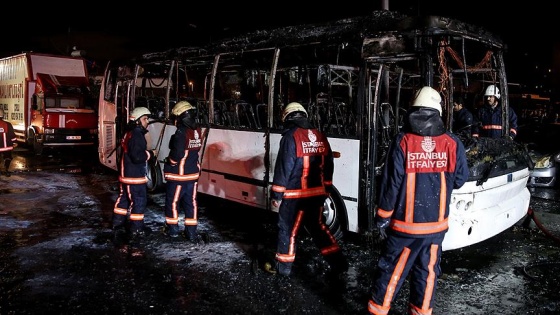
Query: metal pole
385	4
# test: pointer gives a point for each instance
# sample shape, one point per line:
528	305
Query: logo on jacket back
310	143
422	158
196	142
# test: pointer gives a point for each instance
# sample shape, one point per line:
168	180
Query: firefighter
132	175
463	120
181	172
302	180
7	142
425	163
490	116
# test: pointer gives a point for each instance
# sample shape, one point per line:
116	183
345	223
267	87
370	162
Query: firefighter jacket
7	136
133	166
491	122
304	166
182	163
425	163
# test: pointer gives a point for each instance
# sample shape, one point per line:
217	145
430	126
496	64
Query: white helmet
138	112
293	107
1	113
181	107
428	97
492	90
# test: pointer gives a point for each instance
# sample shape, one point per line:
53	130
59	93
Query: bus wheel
335	213
155	177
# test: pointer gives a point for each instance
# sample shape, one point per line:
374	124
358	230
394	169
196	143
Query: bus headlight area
479	212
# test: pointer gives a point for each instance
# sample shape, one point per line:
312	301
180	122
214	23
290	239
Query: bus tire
155	177
334	212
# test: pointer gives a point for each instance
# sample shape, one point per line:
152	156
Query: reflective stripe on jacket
491	122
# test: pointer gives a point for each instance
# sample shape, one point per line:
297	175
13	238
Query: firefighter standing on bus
425	163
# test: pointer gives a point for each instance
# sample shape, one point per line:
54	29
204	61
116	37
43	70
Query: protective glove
275	203
382	224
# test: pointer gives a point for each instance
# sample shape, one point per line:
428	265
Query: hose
527	268
531	214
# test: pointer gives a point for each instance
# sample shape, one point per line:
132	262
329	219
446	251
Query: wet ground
58	255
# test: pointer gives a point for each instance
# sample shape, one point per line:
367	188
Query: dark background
113	30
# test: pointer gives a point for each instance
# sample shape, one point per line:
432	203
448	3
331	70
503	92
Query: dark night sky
529	31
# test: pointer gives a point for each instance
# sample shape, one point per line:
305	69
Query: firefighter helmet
428	97
1	113
181	107
492	90
138	112
292	108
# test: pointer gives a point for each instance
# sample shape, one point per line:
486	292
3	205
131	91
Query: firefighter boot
119	224
192	236
171	230
139	230
7	167
284	269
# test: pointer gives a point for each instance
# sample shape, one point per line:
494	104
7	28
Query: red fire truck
45	98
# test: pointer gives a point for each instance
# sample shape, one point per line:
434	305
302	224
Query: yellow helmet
293	107
181	107
428	97
138	112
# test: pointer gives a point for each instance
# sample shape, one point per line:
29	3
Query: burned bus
356	78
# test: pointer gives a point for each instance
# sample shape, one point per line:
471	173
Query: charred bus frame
355	77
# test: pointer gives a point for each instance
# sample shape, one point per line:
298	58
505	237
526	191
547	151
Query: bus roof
356	29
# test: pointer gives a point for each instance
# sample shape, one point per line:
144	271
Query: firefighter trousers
294	213
135	198
419	256
182	195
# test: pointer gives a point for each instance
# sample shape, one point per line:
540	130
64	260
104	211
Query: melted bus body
356	78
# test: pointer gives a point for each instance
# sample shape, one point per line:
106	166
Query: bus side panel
346	176
233	166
